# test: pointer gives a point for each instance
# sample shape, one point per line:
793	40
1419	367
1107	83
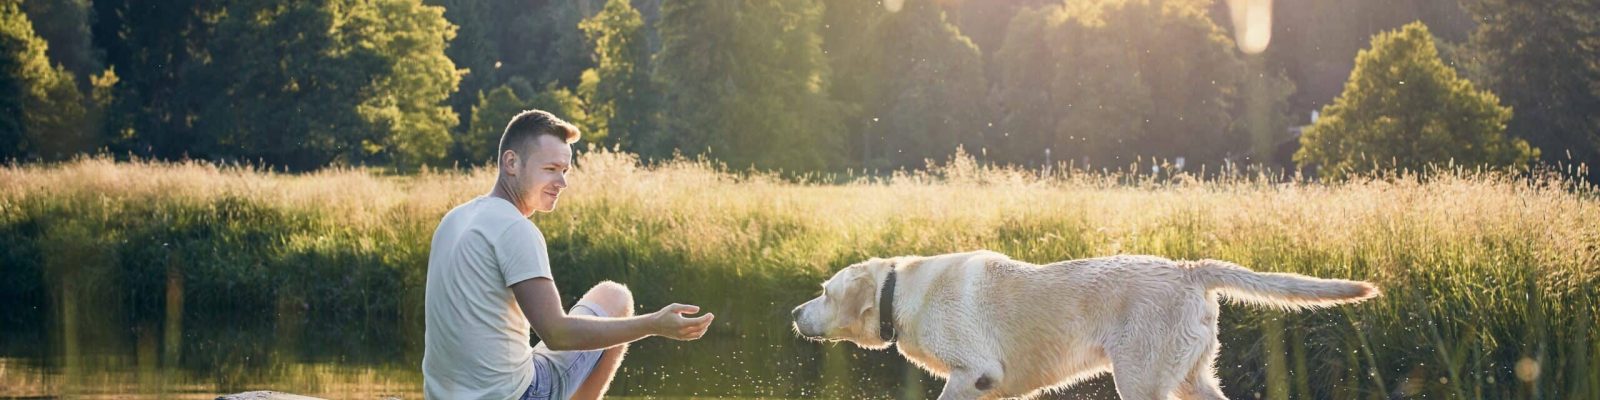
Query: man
489	281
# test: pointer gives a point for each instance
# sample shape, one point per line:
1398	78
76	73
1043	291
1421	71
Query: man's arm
541	303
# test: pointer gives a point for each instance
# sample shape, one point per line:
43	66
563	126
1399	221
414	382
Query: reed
1490	279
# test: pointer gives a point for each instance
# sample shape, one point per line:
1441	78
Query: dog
993	327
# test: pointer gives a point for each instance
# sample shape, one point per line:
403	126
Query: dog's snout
801	327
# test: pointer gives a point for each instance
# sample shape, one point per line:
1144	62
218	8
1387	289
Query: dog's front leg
967	384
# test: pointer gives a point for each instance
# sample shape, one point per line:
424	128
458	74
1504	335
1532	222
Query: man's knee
613	297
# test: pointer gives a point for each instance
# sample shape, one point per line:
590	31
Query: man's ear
509	161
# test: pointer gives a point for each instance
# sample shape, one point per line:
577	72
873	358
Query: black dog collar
886	308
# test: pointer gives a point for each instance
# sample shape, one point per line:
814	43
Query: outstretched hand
673	322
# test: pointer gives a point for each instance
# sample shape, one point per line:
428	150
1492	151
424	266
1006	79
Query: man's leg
616	301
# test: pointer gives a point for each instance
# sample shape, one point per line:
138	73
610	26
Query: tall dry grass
1490	279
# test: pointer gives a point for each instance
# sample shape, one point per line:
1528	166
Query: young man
489	281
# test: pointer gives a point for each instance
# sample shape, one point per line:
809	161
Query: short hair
530	125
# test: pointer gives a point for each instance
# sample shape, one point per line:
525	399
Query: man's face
543	175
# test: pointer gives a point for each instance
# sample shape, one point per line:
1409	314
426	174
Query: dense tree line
800	85
1543	58
1074	80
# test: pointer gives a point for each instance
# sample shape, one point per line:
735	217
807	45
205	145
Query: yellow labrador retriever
994	327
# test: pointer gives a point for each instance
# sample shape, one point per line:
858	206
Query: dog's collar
886	309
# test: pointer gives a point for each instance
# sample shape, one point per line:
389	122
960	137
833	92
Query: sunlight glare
893	5
1252	24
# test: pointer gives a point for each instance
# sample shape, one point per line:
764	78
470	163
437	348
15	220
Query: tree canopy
1404	109
299	85
1541	57
1104	82
745	82
41	110
801	85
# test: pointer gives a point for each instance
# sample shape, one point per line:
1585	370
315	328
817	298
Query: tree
1106	81
65	25
544	45
1315	41
1541	58
499	40
986	21
619	90
489	119
42	113
496	108
747	80
409	101
297	85
153	46
476	50
921	88
696	65
1403	108
564	104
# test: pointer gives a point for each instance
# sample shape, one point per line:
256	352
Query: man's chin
547	207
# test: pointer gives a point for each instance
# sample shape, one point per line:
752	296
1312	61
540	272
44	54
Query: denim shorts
557	374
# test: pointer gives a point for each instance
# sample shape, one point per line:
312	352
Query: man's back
476	344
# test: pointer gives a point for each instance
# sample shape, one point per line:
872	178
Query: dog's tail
1281	290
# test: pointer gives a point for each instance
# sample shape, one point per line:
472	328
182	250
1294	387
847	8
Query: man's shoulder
499	220
465	208
478	211
520	229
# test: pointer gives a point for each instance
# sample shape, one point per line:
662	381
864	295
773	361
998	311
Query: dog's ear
864	289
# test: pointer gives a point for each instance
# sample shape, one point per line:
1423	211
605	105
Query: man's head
535	153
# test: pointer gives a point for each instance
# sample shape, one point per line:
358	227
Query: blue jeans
557	374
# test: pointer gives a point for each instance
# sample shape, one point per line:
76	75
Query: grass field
1491	281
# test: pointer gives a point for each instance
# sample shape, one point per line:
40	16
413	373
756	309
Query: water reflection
202	355
84	350
99	323
119	377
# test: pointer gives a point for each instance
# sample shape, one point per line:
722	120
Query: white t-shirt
476	342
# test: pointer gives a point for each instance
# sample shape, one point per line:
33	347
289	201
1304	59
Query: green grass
1484	274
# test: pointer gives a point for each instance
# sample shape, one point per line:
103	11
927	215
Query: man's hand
671	322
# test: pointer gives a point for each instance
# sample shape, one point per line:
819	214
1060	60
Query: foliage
407	102
746	82
489	118
499	40
619	90
1107	82
913	83
153	46
301	86
801	86
65	25
568	106
1314	42
1540	57
496	108
1404	109
41	110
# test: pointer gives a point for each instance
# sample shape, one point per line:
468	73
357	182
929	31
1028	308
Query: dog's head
848	307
